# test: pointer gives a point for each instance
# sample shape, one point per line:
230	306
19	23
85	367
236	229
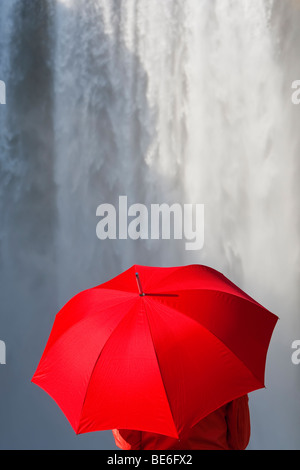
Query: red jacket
227	428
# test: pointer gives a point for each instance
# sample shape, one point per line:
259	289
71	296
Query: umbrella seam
81	320
98	357
219	339
160	370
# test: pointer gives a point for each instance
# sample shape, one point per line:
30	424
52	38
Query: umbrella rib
145	309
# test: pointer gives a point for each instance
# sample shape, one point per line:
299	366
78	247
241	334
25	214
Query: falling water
175	101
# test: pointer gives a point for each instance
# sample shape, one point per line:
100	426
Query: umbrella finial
139	284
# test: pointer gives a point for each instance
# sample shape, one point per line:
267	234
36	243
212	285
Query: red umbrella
154	349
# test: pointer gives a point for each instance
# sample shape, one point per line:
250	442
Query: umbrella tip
139	284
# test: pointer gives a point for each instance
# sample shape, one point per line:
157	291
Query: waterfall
164	102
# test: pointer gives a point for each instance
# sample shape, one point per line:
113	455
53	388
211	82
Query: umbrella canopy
154	349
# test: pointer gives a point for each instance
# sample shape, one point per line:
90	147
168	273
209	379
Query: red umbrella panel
155	349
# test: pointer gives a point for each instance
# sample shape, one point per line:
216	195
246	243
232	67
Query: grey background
175	101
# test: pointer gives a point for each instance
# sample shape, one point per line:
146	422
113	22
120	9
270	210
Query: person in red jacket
227	428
